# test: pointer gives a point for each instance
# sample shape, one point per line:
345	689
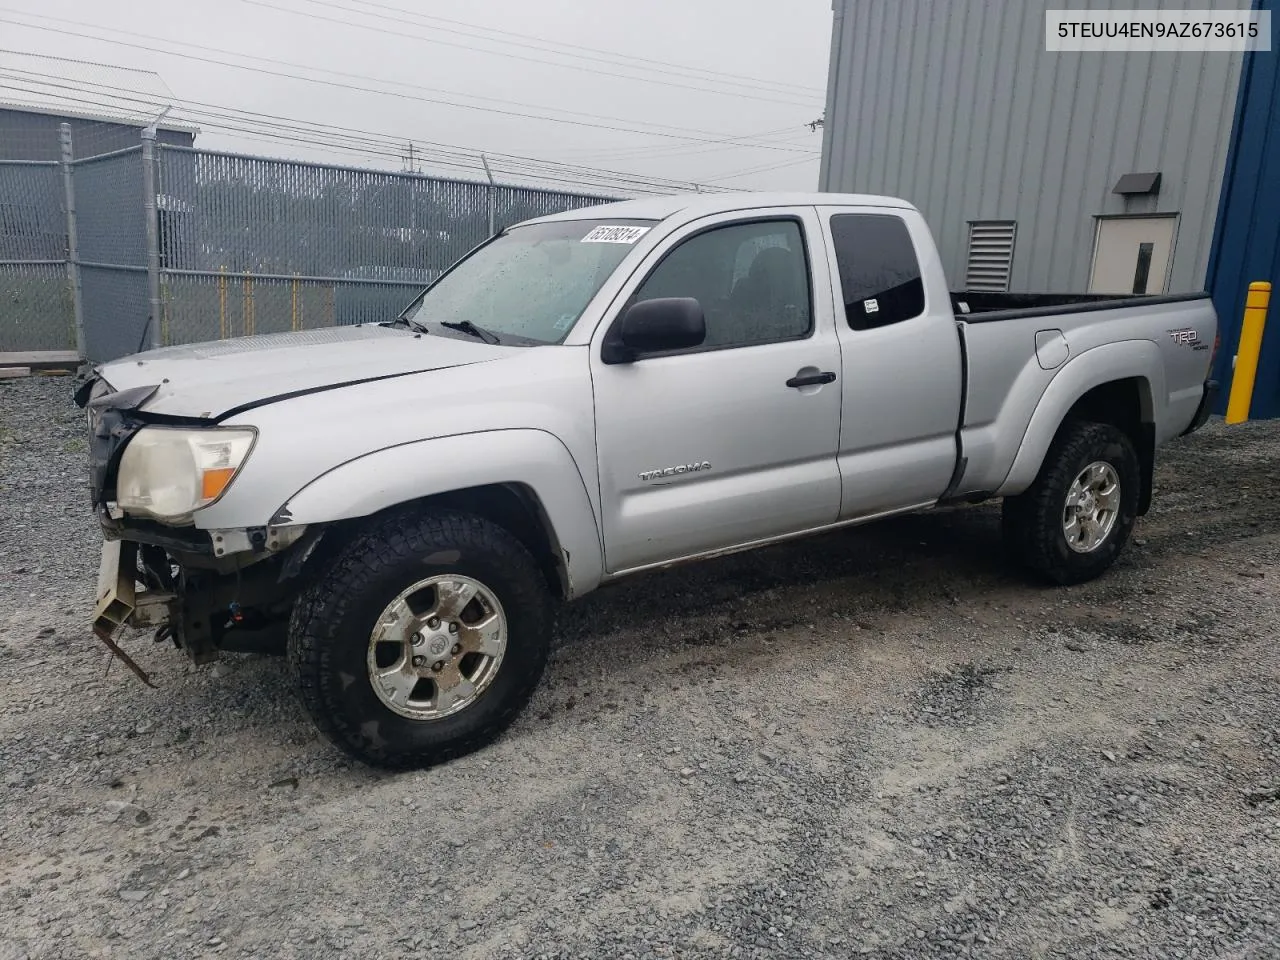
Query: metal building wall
28	135
957	107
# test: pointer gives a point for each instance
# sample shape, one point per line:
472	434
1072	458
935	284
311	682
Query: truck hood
213	380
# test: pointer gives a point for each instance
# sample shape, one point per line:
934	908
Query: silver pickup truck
590	395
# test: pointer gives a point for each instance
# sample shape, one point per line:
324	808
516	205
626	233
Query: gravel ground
880	742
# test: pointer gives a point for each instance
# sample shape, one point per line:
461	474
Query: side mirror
653	326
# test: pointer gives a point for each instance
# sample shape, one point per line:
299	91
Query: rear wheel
1070	525
423	640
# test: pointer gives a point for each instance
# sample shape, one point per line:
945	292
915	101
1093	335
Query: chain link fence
35	297
240	245
252	245
112	247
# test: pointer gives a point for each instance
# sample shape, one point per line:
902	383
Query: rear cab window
879	271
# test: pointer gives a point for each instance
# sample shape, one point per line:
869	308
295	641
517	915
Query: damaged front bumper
206	590
118	604
206	602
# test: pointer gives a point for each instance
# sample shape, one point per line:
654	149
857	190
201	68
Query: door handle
811	379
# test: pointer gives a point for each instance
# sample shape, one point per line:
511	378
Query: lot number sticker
618	234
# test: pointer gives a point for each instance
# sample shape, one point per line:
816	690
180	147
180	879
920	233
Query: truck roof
703	204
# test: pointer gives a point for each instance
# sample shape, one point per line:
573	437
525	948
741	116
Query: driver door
736	440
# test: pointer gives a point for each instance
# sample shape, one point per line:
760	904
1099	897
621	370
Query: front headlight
169	473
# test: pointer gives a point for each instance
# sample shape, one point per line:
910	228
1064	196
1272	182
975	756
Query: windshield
530	284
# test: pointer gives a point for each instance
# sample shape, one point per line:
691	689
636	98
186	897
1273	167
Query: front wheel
423	640
1070	525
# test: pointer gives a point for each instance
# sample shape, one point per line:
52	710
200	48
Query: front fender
400	474
1104	364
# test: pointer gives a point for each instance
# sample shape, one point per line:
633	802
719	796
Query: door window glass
752	280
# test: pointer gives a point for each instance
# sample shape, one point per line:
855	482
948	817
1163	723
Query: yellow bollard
293	323
1246	367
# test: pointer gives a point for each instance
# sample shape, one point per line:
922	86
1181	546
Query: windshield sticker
616	234
565	322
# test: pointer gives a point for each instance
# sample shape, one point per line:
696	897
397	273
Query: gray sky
387	45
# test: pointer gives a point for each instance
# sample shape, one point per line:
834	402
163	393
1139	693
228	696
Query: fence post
73	244
248	319
493	199
222	303
153	233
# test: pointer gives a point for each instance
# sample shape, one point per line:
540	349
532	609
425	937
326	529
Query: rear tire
1070	525
423	640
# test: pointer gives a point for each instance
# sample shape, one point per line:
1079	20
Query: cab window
752	280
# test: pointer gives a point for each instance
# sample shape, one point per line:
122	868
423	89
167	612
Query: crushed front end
204	590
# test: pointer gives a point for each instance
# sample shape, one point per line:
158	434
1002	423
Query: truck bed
978	306
1010	365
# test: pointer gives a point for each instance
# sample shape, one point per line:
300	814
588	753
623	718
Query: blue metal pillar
1246	240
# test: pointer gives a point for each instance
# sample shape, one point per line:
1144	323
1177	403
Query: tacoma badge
675	471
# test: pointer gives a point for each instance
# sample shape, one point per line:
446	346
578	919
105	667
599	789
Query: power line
687	136
613	55
508	56
206	119
197	109
765	169
544	45
663	150
330	136
300	66
737	139
695	152
280	121
342	148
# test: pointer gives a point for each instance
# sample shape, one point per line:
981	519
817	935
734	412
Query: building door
1131	254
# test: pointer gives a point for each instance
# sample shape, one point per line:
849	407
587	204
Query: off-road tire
332	620
1032	522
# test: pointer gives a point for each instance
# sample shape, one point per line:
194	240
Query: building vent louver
990	258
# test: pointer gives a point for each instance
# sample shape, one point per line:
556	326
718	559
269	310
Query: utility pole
409	158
